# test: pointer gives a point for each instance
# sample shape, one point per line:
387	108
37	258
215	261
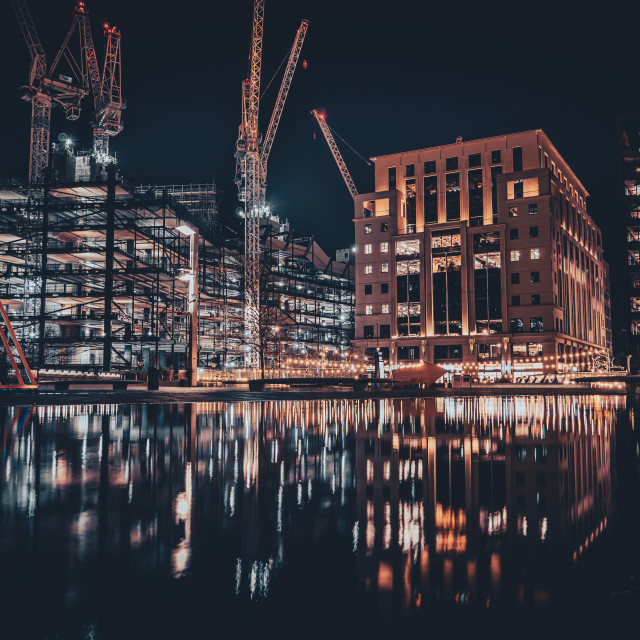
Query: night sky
391	76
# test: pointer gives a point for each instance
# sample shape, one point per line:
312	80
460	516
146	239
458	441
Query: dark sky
391	76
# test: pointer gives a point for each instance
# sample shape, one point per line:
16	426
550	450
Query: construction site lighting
185	230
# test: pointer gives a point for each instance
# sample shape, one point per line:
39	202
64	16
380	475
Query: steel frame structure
90	275
91	308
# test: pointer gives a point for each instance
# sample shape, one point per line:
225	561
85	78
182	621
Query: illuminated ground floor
516	356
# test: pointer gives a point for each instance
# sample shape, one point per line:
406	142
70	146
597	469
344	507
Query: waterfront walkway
138	393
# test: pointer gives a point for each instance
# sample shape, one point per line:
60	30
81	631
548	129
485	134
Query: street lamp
192	277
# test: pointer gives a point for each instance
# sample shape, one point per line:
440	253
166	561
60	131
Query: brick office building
480	256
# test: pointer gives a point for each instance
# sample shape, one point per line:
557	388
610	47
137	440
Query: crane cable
275	74
335	133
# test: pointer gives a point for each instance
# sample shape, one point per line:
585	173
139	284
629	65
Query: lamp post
192	277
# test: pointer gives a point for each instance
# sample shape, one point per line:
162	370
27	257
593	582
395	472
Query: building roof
539	132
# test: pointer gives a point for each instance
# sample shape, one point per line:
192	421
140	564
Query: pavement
138	393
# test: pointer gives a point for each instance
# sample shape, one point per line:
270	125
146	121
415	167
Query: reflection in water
469	502
422	506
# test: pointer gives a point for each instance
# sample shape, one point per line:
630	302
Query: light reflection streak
381	465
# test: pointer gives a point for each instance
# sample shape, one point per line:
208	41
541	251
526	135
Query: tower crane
320	117
44	91
251	168
106	88
248	172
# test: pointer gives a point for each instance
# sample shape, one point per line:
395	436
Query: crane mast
249	182
106	87
251	170
335	152
108	114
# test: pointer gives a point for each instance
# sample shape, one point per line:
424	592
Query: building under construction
97	276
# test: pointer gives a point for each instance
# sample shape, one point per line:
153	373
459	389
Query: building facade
629	169
480	256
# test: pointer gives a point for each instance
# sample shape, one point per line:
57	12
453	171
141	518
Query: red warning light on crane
304	64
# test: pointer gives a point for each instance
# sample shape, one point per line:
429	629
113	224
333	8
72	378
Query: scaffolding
92	275
311	298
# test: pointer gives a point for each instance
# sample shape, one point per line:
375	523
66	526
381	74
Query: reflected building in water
423	504
156	484
467	502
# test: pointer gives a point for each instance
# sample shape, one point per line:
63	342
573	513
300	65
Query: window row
368	309
368	288
534	277
533	210
453	164
384	248
531	349
368	268
535	300
514	233
534	254
535	325
368	228
384	331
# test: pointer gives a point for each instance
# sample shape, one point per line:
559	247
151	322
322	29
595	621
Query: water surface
396	518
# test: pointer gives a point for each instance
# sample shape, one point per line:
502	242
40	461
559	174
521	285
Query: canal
377	518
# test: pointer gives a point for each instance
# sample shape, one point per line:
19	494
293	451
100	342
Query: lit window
368	248
368	269
368	309
384	247
384	267
535	254
515	256
385	308
367	228
513	212
518	189
537	324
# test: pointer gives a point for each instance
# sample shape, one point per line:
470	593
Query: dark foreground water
494	516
